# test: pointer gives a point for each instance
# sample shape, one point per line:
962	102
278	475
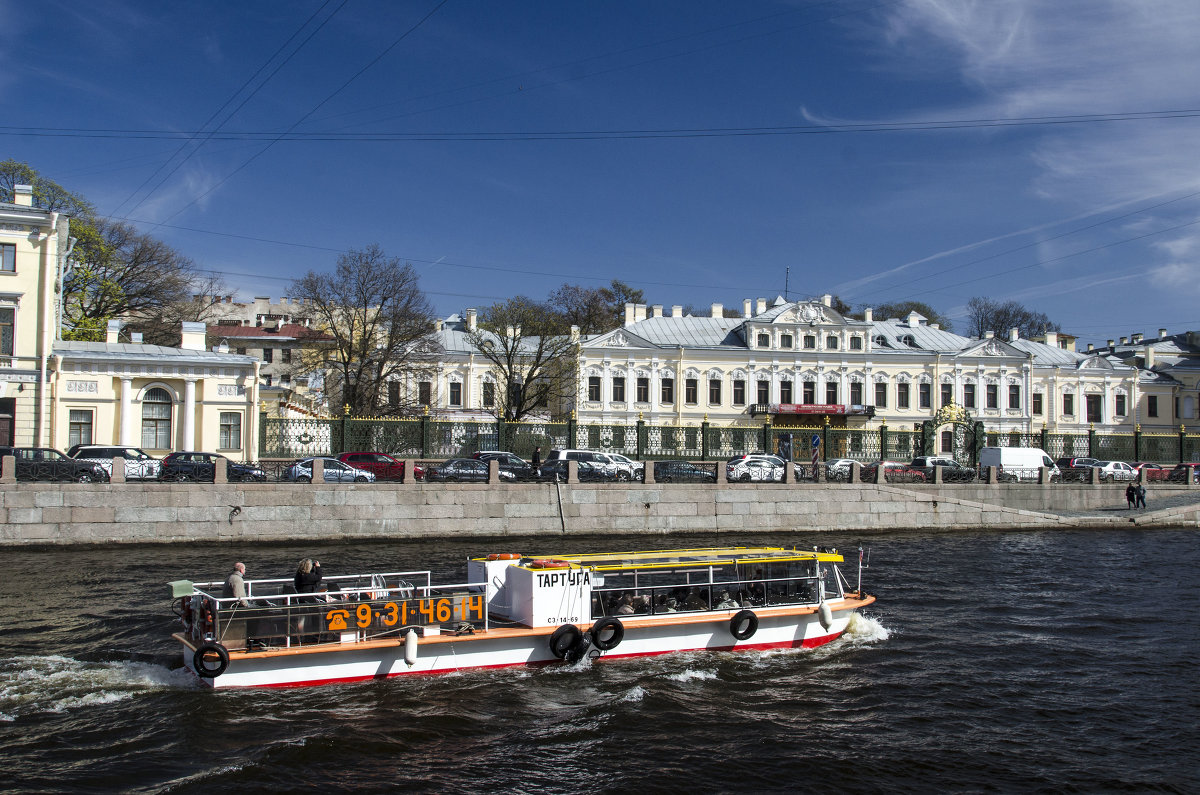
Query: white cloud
1176	276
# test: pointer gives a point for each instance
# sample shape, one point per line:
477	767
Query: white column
127	439
189	414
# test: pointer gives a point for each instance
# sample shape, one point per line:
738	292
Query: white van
1018	463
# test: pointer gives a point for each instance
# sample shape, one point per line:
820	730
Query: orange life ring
549	564
208	617
503	556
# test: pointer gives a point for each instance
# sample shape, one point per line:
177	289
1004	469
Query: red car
384	466
893	472
1153	471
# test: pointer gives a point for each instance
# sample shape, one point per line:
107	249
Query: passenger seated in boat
758	589
727	602
626	606
695	601
641	604
308	576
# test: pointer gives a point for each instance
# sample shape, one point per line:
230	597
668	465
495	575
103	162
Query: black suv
46	463
952	472
509	462
182	467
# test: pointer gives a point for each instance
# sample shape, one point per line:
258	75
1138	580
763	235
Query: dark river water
1038	661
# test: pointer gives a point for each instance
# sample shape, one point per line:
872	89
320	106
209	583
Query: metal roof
140	352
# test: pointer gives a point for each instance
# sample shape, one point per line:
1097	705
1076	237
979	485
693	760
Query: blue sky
697	150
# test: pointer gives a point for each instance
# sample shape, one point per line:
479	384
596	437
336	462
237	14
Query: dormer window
810	341
880	341
764	340
785	340
909	340
831	343
856	343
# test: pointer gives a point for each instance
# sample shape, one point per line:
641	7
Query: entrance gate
953	432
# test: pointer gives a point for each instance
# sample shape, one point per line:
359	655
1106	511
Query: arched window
156	419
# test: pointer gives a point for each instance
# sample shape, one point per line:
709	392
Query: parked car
384	466
465	470
184	466
1153	471
626	467
46	463
1075	470
682	472
1112	471
838	468
1018	464
509	462
754	467
334	472
952	472
893	472
1180	473
599	459
139	465
588	471
1072	463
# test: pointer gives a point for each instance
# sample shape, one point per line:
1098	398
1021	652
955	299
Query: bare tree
901	310
986	315
594	309
381	327
533	356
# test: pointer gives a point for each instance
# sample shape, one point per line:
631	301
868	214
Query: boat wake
863	630
49	684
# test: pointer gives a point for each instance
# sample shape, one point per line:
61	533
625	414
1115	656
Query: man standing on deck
235	585
1141	496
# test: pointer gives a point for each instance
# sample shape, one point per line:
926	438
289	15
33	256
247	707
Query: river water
1033	661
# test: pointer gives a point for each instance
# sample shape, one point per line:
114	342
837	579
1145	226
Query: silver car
335	472
139	465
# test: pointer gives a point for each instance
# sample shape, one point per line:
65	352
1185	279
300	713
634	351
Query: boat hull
501	648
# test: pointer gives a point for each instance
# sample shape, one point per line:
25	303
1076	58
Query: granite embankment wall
58	514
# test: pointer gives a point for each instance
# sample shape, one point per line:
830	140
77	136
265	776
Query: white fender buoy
825	614
410	648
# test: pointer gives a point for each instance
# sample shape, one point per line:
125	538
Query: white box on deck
548	597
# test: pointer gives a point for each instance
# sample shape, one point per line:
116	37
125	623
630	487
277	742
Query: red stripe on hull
808	643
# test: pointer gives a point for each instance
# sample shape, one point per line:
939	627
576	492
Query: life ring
208	617
204	650
564	639
609	624
503	556
746	617
549	564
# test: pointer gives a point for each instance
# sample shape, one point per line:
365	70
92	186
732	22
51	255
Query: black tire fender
564	639
746	617
611	625
205	649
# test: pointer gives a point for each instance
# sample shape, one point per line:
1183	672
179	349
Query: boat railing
697	597
347	609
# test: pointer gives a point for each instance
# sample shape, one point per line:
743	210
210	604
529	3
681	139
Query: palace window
1037	403
993	396
923	395
764	391
856	343
8	317
810	341
643	390
691	390
947	394
594	388
231	430
455	393
80	430
785	391
8	257
489	394
618	384
241	351
714	391
667	390
881	395
831	392
764	340
739	392
156	420
1069	405
286	355
268	355
1152	406
393	393
1095	408
969	396
831	343
1120	405
810	391
425	393
856	394
785	340
902	396
1014	396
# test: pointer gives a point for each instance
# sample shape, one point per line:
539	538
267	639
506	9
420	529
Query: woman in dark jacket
308	574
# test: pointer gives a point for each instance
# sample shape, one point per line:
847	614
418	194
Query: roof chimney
935	325
1162	333
438	325
1014	334
987	335
113	332
869	315
628	314
23	195
747	308
191	337
827	299
760	306
639	313
1111	342
676	310
1091	347
656	310
914	319
1148	356
1052	339
1124	340
718	310
471	325
1135	338
574	333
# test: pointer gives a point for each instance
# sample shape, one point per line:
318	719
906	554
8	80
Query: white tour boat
515	610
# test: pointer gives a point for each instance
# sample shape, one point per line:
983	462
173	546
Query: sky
704	152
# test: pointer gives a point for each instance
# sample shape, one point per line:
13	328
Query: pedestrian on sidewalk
1131	495
1141	496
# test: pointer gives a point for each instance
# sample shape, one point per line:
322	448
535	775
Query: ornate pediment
809	313
1095	363
992	347
620	338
